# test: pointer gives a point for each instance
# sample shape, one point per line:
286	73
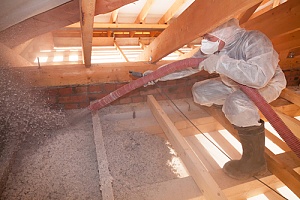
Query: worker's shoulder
256	34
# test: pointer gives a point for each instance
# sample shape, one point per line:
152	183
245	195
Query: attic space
80	120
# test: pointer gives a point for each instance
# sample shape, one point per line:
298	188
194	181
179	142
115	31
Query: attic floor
62	164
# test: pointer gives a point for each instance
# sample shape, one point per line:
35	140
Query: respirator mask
209	47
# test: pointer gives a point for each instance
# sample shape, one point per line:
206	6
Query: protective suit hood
227	31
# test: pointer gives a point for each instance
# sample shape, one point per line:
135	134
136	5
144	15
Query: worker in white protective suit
247	58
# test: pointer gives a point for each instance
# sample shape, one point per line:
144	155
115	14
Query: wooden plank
171	11
57	75
291	96
248	13
121	52
192	24
167	190
279	21
76	41
114	16
266	5
276	3
287	42
189	54
205	182
128	27
287	175
292	123
144	12
87	13
105	179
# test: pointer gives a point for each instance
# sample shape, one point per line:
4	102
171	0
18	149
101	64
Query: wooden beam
127	27
287	42
105	178
291	122
76	41
287	175
291	96
144	12
87	13
121	52
279	21
57	75
171	12
248	13
266	5
192	24
203	179
189	54
276	3
114	16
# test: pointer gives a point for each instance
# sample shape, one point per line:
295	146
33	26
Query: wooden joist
144	12
279	21
203	179
120	27
171	12
192	23
291	96
87	12
287	175
105	178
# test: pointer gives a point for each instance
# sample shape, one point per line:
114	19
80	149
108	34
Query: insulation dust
23	111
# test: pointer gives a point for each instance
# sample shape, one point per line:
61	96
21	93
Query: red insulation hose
161	72
285	133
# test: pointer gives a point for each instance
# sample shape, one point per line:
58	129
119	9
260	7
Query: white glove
210	63
150	82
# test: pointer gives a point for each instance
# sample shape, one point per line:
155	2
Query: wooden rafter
87	13
186	29
246	15
276	3
171	12
127	27
142	15
114	16
266	5
121	52
287	41
291	96
285	16
144	12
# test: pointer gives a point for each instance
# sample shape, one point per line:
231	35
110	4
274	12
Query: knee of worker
240	110
199	91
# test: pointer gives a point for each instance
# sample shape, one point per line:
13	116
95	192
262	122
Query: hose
162	71
291	140
285	133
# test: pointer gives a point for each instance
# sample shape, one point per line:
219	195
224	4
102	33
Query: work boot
253	162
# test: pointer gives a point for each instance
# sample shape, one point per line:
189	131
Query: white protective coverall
248	58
